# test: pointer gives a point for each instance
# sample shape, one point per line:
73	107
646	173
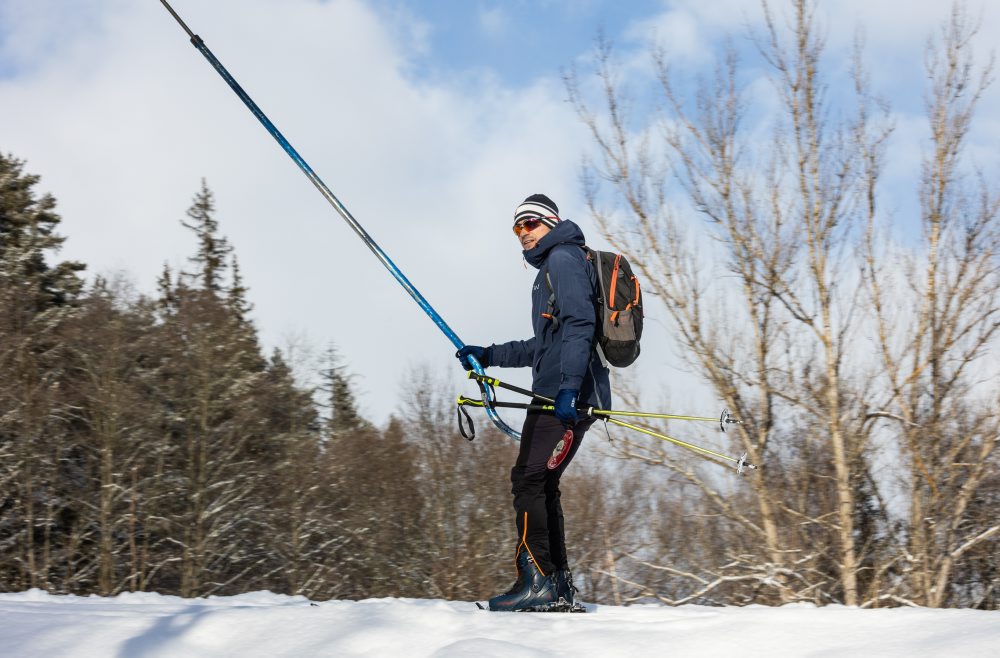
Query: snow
35	623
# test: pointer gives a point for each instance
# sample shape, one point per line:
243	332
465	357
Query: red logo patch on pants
560	451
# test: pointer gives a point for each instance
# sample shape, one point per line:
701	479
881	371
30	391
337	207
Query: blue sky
430	120
515	41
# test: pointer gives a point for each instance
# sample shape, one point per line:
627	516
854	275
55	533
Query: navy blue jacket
561	355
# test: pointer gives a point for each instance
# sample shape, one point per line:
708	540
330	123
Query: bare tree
466	542
771	333
937	311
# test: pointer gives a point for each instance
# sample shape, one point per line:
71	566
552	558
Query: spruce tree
211	366
213	249
36	302
343	418
231	417
236	298
300	527
28	226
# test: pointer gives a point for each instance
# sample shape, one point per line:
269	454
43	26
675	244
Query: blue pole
342	211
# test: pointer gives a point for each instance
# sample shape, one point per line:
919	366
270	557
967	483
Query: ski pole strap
468	419
488	402
489	394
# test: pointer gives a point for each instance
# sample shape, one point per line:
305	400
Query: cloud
494	21
690	30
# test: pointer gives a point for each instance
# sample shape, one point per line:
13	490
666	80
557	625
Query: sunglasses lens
526	225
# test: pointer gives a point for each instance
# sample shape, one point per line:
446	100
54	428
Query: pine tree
343	416
36	302
301	528
219	447
213	249
165	287
236	298
27	233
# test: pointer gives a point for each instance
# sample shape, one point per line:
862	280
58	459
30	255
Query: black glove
482	354
566	406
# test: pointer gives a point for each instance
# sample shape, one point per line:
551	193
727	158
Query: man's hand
482	354
566	406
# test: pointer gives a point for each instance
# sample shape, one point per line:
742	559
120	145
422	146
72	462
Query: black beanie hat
538	206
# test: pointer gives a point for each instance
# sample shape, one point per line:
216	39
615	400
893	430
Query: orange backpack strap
614	282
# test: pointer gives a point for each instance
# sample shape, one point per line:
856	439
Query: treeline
147	444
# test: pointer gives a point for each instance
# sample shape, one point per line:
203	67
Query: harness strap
551	313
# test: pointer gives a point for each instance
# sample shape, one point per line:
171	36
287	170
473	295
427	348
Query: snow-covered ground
35	624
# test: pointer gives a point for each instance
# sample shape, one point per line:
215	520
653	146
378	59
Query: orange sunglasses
528	225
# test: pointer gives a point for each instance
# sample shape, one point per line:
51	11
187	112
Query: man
565	367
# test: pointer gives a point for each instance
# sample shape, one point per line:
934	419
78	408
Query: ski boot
533	591
566	592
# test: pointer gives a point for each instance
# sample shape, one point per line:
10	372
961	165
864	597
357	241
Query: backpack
619	307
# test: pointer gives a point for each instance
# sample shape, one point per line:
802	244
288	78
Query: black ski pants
538	511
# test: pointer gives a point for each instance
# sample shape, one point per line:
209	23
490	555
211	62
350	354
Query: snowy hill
263	624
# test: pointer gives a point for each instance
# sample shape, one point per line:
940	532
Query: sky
430	120
262	625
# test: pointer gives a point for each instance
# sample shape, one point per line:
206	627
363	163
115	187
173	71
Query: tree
939	382
111	357
218	440
764	297
212	247
373	495
37	300
464	543
344	418
774	344
300	528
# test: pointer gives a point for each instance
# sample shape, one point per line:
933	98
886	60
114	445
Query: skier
565	367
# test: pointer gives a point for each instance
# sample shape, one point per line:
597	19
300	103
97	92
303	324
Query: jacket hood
565	232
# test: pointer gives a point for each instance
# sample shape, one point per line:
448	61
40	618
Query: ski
561	606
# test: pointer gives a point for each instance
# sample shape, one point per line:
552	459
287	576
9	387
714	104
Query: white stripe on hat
533	209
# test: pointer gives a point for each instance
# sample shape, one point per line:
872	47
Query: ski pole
741	463
341	210
725	419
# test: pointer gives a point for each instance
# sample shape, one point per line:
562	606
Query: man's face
529	232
